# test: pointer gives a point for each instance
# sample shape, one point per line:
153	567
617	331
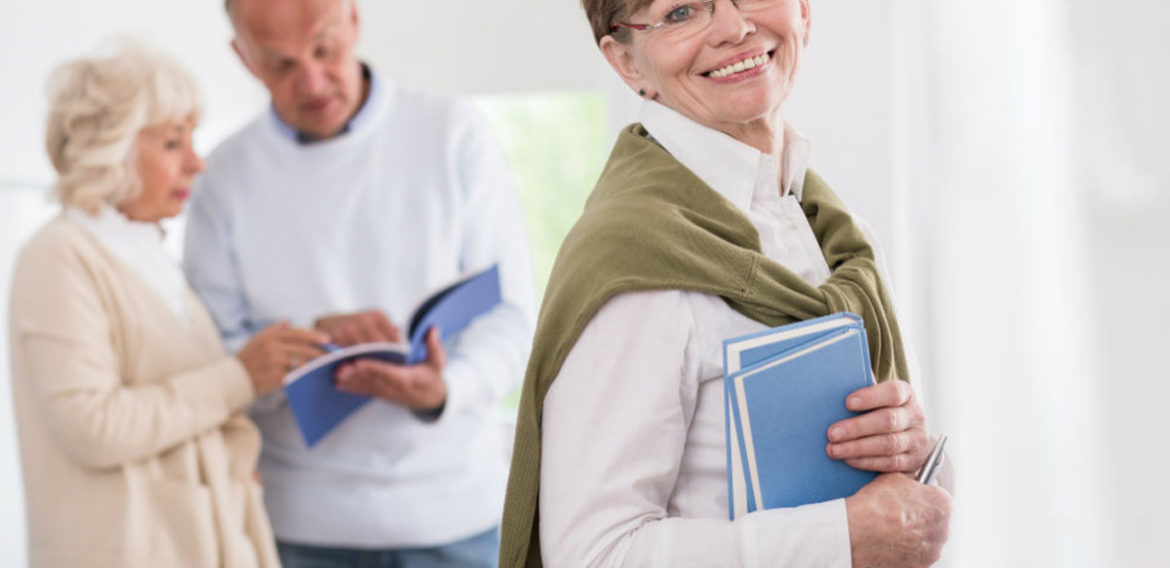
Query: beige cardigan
134	446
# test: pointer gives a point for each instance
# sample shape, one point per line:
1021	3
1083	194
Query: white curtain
1027	132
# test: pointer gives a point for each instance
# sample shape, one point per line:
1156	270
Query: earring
641	92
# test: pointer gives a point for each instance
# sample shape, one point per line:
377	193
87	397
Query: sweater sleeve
487	360
211	266
63	329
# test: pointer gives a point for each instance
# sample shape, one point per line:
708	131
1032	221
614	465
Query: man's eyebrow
325	29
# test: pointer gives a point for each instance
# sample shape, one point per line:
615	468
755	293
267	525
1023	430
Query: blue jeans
479	551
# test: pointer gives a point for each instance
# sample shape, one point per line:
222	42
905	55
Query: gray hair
229	6
97	106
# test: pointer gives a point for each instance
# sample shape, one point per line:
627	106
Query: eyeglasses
690	17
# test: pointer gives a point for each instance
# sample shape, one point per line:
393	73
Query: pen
930	467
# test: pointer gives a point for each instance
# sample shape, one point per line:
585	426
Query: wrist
857	516
431	414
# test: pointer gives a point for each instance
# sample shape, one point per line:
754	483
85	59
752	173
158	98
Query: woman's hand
276	350
891	434
896	522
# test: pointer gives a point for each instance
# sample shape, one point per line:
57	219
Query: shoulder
636	307
58	249
234	150
59	238
429	106
227	165
447	117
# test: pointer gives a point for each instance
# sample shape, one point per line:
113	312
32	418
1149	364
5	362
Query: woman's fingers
888	393
877	422
913	443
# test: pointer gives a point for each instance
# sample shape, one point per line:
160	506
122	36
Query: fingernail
853	402
835	434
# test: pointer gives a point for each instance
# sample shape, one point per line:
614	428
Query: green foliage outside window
556	145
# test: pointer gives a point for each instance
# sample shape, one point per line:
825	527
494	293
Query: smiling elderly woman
706	224
134	445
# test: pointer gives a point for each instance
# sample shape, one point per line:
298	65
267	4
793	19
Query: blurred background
1012	156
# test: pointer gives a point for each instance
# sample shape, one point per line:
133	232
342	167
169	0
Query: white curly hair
97	106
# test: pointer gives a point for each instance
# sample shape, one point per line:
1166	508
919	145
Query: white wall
1122	121
843	102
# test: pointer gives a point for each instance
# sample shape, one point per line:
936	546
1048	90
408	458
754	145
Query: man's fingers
303	336
889	393
387	330
380	371
373	378
436	357
414	386
345	337
359	386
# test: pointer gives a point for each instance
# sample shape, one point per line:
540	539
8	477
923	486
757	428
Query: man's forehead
289	27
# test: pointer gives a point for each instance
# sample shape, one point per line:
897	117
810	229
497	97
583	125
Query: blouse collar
729	166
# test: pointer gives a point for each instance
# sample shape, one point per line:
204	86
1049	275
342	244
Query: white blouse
633	465
140	246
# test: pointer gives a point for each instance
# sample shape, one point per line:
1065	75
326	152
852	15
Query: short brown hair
603	13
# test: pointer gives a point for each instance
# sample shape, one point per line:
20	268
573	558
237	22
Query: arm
615	424
893	435
487	360
210	264
98	420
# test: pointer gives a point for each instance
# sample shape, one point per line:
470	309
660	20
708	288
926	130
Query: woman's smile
741	67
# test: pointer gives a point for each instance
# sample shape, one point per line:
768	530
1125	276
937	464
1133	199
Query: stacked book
784	387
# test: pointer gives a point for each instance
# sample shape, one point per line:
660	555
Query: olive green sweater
651	224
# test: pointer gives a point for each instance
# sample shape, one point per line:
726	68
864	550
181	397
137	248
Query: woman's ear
806	18
621	57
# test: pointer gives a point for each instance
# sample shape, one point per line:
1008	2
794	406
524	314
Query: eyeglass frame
618	26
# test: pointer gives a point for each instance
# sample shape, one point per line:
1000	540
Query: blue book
318	407
784	387
747	350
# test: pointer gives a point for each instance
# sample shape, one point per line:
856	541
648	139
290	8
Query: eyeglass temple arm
640	27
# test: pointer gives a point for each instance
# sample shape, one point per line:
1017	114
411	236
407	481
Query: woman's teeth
742	65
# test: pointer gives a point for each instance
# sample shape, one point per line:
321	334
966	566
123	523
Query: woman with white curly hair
135	447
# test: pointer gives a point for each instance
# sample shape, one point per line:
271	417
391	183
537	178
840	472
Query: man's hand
360	327
896	522
418	387
890	437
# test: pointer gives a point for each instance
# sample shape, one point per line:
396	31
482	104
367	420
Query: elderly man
339	207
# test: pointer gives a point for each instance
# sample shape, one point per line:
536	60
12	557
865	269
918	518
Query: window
556	144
